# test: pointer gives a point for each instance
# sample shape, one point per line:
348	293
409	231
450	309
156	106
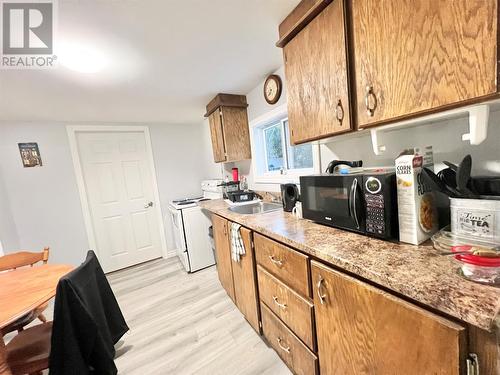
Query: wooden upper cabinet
223	254
217	136
317	77
417	56
245	283
236	133
363	330
228	119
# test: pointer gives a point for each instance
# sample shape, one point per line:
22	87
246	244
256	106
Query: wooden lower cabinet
223	254
286	264
486	346
349	327
294	310
245	281
239	279
363	330
291	350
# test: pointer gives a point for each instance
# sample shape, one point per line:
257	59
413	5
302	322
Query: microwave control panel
375	207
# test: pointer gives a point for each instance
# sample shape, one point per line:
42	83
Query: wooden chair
29	351
18	260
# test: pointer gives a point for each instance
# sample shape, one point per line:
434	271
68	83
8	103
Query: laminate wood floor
185	324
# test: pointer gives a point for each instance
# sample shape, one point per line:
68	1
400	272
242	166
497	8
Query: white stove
191	224
179	204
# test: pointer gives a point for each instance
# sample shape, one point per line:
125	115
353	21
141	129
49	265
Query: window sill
278	179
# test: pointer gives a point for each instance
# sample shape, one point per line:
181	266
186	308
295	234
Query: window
275	159
273	142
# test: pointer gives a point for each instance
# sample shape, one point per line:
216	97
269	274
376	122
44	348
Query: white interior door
119	185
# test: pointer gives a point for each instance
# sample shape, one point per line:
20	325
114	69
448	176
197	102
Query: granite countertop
417	272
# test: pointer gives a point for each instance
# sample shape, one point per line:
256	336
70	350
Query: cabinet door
414	56
217	136
363	330
245	287
236	133
316	77
223	254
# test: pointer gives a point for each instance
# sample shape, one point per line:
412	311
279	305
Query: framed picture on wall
30	154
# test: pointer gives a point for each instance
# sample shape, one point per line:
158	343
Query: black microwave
362	202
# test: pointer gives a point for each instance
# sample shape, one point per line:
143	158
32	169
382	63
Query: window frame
278	114
284	156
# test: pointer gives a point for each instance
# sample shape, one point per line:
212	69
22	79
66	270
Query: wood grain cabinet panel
223	254
229	132
286	264
236	133
487	347
418	56
295	311
217	137
291	350
363	330
245	282
316	76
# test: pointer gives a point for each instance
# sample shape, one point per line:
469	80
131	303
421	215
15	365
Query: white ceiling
160	60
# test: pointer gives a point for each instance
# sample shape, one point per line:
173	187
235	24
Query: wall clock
272	88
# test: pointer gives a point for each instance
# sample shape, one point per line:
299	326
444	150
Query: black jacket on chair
87	322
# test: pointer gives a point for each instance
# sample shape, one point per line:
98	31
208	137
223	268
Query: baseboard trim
171	254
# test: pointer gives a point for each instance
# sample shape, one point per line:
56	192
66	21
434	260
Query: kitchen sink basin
256	208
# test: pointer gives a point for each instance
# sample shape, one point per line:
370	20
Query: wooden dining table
23	290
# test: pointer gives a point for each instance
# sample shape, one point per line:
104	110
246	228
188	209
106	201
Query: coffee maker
289	196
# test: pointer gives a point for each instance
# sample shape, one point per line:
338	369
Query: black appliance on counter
289	196
229	187
364	202
241	196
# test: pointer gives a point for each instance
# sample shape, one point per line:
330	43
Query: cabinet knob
319	287
370	101
339	112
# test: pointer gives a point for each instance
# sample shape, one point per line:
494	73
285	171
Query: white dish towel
237	247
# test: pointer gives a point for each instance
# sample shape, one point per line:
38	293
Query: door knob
150	204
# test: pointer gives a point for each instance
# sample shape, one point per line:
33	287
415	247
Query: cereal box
417	211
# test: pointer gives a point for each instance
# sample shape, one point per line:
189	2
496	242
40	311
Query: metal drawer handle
284	348
277	262
339	112
319	286
370	107
281	305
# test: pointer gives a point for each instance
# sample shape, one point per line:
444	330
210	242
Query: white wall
444	136
8	231
257	106
44	203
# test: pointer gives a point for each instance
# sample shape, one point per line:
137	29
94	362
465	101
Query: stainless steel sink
256	208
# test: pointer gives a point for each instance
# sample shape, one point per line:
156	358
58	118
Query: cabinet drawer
295	311
291	350
286	264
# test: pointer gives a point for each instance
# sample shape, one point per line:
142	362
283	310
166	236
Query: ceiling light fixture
81	58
